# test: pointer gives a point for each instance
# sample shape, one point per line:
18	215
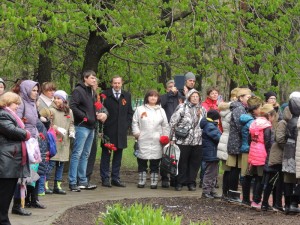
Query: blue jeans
80	154
58	170
41	186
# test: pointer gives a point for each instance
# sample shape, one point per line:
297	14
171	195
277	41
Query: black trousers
189	164
273	184
7	189
143	165
105	163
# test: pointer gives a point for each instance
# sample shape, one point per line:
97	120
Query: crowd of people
253	140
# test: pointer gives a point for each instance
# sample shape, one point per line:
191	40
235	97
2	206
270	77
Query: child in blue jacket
210	139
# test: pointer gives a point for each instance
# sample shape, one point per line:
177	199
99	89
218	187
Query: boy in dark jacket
210	139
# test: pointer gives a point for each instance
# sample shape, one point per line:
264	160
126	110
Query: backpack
52	142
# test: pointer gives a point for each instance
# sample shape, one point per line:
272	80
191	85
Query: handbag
169	161
181	132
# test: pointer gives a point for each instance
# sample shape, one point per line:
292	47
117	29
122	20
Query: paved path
57	204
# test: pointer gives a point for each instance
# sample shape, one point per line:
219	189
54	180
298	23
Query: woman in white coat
148	125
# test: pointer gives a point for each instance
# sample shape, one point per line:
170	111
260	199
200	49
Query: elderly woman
13	153
148	125
188	116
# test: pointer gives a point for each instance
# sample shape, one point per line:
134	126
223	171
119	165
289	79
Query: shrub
136	214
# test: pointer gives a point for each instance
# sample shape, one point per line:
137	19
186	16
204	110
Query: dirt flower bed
191	209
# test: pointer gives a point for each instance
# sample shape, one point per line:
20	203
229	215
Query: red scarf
21	125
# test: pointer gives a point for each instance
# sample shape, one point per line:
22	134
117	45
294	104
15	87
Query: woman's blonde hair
9	98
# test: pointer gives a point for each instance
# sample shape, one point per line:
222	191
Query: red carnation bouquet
106	142
164	140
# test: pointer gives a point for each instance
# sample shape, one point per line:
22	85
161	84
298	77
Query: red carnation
172	156
98	105
103	96
174	163
164	140
85	119
68	116
42	136
114	148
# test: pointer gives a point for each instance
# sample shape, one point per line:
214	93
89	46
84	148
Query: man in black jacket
82	105
118	105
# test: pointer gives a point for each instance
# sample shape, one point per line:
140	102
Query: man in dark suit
118	105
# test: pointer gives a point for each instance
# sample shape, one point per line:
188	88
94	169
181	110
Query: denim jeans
41	186
58	170
80	154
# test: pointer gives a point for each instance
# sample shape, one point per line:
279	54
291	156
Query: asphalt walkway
57	204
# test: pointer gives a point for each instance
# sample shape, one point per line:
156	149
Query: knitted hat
2	81
295	94
189	76
243	91
269	94
213	114
266	108
45	112
61	94
233	93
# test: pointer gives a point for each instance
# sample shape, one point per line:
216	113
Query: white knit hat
295	94
61	94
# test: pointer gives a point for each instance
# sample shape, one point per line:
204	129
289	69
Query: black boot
57	188
35	201
17	209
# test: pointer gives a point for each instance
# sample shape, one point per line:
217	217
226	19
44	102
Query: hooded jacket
28	108
259	143
210	139
188	115
235	136
82	105
246	120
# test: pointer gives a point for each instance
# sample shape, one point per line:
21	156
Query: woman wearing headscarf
188	116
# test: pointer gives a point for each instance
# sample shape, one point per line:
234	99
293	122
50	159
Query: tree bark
45	63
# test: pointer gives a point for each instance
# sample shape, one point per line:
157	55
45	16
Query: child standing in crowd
43	126
148	125
248	172
210	139
62	122
261	142
274	178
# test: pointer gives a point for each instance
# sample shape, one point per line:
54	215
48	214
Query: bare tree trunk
45	63
165	67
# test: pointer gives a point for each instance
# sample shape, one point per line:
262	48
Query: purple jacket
28	108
